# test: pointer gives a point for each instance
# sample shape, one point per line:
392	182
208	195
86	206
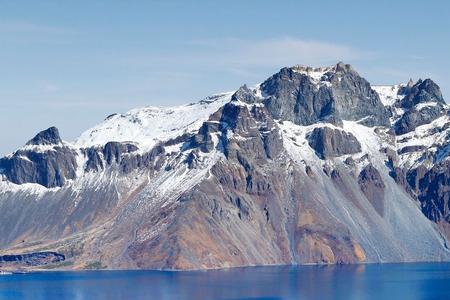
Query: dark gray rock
294	97
31	259
408	149
49	136
414	176
51	168
179	139
422	91
94	160
244	94
124	156
113	151
372	185
153	159
258	136
414	118
433	191
328	142
342	95
355	99
203	139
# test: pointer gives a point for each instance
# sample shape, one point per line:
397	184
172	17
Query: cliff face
311	166
307	95
44	160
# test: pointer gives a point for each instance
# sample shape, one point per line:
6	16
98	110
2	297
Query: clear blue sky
71	63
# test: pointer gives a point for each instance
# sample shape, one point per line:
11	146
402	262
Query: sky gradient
71	63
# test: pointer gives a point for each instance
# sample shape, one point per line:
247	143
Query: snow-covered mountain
314	165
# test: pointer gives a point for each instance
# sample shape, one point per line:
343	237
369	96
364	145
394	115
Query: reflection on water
391	281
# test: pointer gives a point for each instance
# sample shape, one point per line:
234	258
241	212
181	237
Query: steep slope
311	166
422	141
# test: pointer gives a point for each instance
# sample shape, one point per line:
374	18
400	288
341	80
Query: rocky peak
50	167
421	92
306	95
410	83
343	68
49	136
244	94
423	103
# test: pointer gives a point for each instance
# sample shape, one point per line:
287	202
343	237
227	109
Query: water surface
388	281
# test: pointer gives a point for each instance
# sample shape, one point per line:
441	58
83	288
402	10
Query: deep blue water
389	281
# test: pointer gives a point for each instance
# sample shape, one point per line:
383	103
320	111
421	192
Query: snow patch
150	125
388	93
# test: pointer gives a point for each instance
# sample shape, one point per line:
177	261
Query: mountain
314	165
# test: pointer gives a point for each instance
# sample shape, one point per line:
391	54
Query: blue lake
389	281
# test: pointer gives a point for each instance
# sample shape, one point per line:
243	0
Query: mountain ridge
314	165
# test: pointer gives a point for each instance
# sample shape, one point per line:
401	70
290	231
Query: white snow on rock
149	125
429	137
296	143
316	74
419	106
388	93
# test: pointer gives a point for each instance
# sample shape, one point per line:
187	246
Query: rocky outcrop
422	91
50	166
433	191
339	94
31	259
423	103
114	151
124	156
49	136
329	142
408	149
244	94
414	117
372	186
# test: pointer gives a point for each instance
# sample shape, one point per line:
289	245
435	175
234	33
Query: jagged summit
314	72
44	160
339	67
306	95
422	91
245	94
49	136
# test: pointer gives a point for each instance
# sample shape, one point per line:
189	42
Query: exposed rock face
433	190
372	185
339	94
244	178
124	156
113	151
329	142
31	259
49	136
244	94
421	92
408	149
50	167
414	118
423	102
